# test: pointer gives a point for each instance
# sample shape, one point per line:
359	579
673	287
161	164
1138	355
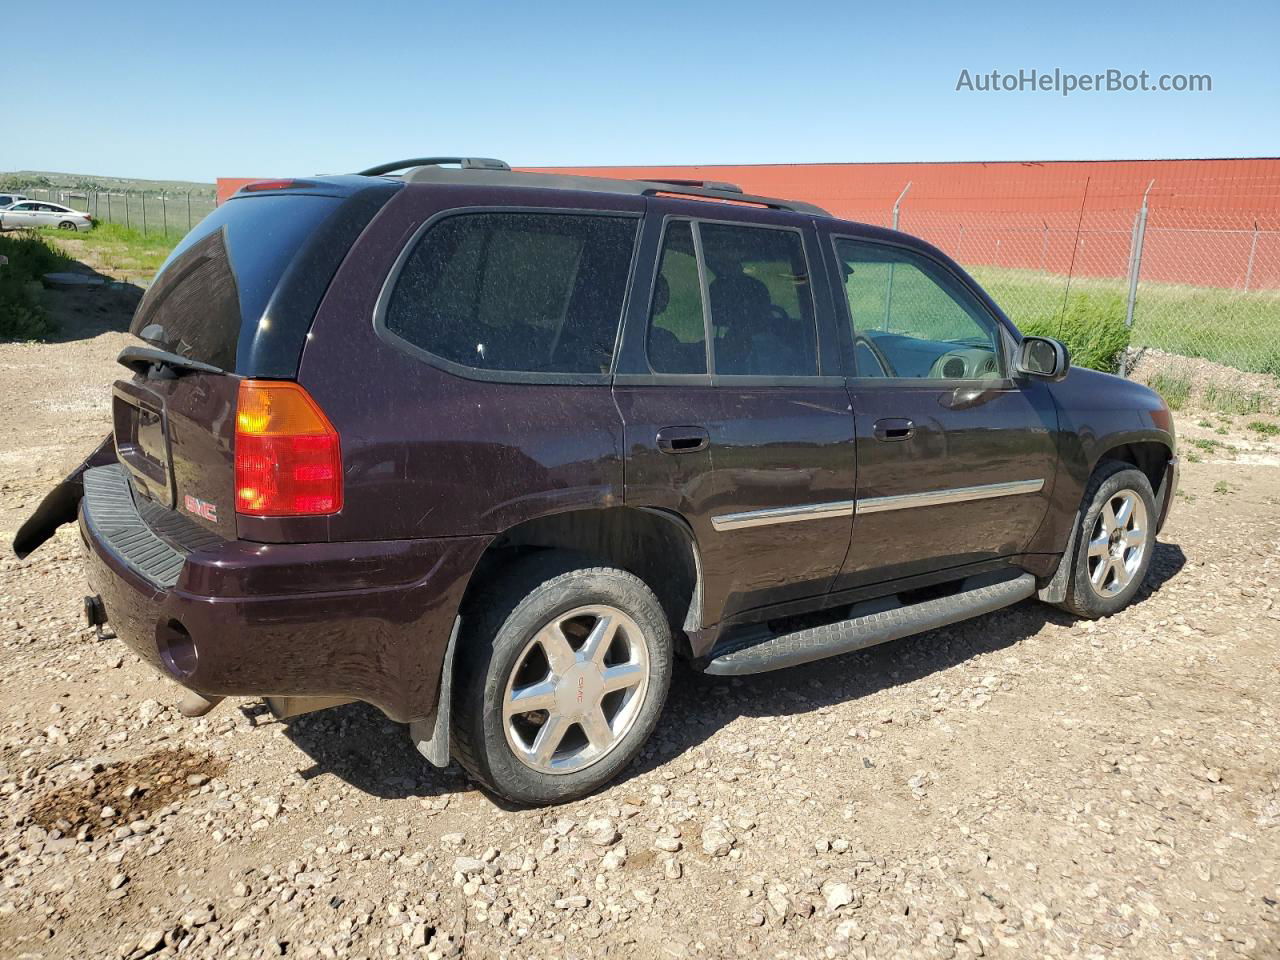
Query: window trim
1004	334
456	369
711	378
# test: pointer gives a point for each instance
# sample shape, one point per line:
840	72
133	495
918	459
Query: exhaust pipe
195	705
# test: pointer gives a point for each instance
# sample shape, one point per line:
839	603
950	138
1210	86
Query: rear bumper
365	620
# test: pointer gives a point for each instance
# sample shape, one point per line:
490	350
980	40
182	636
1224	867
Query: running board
885	620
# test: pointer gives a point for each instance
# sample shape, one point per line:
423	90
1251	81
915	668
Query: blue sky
195	91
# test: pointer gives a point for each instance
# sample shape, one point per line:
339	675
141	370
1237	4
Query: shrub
1175	389
1092	326
29	256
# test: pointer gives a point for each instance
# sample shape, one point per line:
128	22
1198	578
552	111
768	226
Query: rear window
520	292
213	289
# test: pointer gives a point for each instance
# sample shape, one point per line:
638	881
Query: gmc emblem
201	508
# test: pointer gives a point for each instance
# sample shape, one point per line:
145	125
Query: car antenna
1062	314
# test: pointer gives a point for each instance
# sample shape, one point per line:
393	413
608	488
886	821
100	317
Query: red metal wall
1211	222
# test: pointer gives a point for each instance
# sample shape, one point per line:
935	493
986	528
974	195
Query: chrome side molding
954	495
843	508
761	518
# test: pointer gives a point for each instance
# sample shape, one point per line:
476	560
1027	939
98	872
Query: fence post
888	284
1253	250
127	224
1135	256
143	196
188	211
164	216
897	205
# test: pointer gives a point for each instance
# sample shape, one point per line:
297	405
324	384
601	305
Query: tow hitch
95	615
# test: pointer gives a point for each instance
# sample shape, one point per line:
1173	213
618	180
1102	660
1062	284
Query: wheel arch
656	545
1149	454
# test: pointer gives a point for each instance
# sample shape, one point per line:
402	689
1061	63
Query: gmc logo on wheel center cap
201	508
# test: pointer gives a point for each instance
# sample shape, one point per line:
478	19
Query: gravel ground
1019	785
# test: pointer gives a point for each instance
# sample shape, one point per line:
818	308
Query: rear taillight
288	458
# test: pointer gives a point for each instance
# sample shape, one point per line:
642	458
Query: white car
41	213
8	198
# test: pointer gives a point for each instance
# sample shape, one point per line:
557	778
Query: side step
882	621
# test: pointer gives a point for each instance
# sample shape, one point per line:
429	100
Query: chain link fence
167	214
1199	292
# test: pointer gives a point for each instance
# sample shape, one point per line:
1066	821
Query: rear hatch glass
210	297
243	285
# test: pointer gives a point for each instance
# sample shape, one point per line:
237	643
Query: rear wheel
562	672
66	225
1114	543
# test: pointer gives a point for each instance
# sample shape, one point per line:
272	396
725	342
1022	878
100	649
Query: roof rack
466	163
705	184
503	176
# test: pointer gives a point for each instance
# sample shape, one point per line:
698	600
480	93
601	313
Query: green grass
29	257
1265	428
1228	399
119	250
1241	330
1175	389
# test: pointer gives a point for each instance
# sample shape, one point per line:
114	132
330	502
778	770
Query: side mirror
1043	357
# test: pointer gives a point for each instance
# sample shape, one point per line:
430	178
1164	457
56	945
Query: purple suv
489	450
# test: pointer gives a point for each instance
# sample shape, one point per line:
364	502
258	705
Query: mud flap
1055	591
62	503
431	736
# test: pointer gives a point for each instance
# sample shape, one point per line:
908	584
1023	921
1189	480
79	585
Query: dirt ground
1020	785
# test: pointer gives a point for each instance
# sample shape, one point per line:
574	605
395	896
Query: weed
1175	389
1221	487
1229	399
1264	428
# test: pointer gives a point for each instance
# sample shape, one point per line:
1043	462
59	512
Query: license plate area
142	441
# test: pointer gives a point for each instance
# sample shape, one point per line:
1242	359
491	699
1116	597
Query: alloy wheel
1117	543
576	689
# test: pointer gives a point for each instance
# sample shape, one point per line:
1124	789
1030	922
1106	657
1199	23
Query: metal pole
897	204
164	215
1135	261
1253	250
110	217
144	213
888	284
127	224
188	211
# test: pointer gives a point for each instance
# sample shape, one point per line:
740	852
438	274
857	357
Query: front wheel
561	675
1114	542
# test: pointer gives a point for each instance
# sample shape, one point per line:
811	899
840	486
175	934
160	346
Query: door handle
894	428
683	439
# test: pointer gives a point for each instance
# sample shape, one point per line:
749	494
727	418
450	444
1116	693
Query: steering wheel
886	368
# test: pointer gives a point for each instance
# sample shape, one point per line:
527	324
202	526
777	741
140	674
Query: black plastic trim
112	517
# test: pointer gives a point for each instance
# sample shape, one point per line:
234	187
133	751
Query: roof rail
466	163
705	184
500	176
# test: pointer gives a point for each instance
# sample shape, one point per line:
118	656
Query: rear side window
677	340
761	301
213	290
516	292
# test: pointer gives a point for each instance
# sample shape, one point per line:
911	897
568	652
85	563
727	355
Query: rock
837	895
575	902
614	859
667	844
602	831
118	881
468	865
717	841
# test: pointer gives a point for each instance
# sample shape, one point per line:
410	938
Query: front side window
677	341
519	292
761	299
912	319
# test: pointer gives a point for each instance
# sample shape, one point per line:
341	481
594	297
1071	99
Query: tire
66	225
1101	582
511	654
